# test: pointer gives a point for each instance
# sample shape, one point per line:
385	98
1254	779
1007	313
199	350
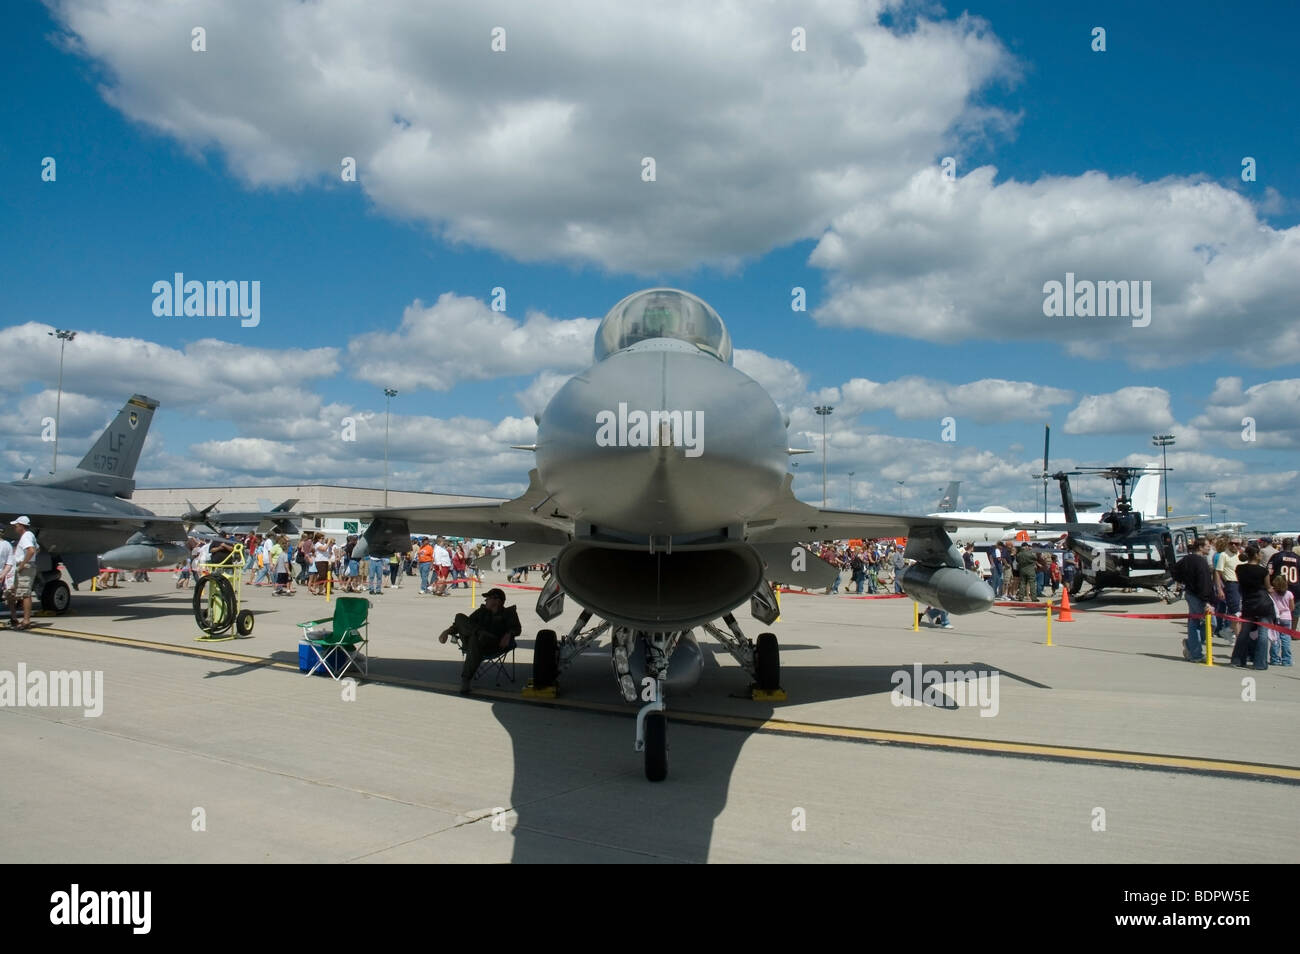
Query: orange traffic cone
1066	616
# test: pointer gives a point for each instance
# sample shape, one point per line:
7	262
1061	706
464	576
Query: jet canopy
663	313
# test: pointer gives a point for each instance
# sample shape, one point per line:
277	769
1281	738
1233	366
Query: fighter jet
84	512
662	500
279	518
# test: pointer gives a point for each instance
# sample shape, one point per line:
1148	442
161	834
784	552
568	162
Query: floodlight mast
1164	441
389	394
64	337
823	411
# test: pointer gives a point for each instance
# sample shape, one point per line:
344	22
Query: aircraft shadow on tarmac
142	605
571	765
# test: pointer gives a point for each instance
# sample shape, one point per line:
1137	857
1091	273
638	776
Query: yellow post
1209	640
329	578
916	616
94	581
776	592
1049	621
473	582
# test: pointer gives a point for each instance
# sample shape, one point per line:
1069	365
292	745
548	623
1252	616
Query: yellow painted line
782	726
1074	753
198	651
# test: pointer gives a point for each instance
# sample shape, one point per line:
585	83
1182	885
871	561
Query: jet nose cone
661	438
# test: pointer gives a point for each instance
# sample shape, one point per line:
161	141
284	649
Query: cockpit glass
663	313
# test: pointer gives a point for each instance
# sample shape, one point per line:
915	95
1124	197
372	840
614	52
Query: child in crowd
1279	650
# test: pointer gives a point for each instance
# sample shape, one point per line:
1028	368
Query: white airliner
1146	497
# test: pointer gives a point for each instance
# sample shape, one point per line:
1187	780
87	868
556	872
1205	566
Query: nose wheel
654	740
652	734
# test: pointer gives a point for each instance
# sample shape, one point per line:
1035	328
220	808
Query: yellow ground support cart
216	599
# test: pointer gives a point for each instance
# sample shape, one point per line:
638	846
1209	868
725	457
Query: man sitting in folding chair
487	633
345	643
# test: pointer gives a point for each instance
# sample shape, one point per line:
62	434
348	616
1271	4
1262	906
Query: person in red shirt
458	566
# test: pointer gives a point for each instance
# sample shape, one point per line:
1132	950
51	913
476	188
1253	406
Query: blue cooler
307	658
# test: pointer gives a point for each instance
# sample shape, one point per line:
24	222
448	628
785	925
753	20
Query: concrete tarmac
1104	747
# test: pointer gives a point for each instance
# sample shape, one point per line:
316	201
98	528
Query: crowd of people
1251	588
876	566
316	560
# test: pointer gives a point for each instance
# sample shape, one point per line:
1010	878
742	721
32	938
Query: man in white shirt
24	563
7	572
442	564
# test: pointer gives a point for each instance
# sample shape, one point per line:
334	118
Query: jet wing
792	520
525	519
79	521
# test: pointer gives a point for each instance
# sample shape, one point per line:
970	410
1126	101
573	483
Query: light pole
1210	495
900	493
851	473
1163	441
64	337
389	394
823	411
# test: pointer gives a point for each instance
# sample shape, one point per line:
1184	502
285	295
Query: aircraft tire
1076	584
56	597
244	623
656	747
767	662
225	597
546	659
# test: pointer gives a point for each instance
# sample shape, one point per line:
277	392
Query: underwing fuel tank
957	591
144	556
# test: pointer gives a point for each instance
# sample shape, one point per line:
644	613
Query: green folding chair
346	644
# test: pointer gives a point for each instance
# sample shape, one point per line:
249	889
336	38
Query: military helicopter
1129	548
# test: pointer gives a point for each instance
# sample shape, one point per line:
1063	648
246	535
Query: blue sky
776	169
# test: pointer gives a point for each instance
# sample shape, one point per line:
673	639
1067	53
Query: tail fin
109	467
1146	496
948	502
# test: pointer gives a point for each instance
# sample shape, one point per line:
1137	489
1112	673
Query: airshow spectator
375	575
351	566
1286	563
858	571
1026	568
938	617
442	566
1225	567
1199	589
23	560
1279	653
424	557
321	552
1256	607
458	566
